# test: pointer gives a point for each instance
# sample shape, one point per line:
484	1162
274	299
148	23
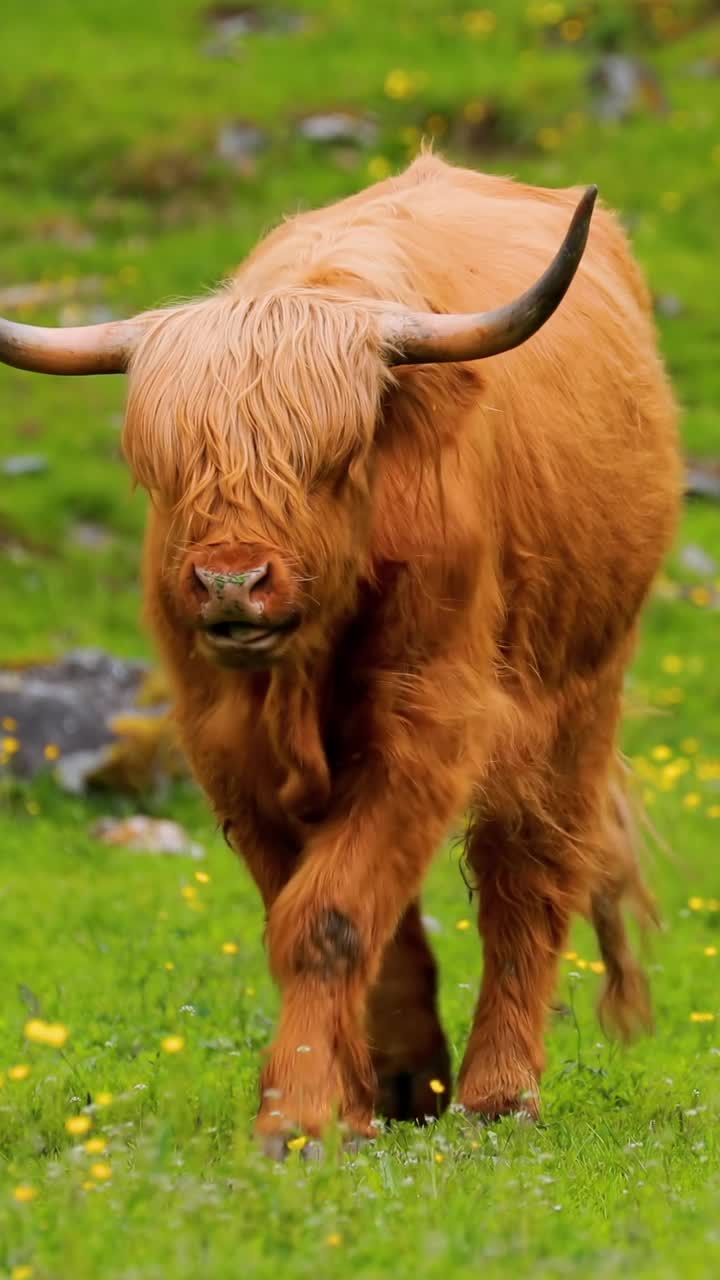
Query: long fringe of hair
240	404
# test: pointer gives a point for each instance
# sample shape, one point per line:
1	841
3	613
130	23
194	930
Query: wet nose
232	597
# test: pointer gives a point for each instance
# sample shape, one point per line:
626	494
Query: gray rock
140	834
240	141
621	85
24	464
90	535
231	25
698	561
68	705
702	480
669	306
338	127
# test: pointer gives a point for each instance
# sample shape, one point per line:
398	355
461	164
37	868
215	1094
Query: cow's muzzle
239	623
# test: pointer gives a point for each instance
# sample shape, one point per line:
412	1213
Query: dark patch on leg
333	949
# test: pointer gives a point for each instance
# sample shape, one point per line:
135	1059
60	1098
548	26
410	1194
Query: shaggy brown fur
469	548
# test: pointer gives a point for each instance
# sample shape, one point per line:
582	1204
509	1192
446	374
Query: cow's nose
232	597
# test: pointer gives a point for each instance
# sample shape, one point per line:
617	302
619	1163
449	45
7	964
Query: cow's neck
293	720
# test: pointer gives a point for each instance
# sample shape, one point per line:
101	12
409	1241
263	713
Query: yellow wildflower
696	904
173	1044
229	948
702	1017
51	751
436	125
53	1034
9	724
101	1171
297	1144
548	138
700	596
437	1086
714	811
661	752
78	1126
475	112
20	1072
692	800
169	965
597	966
569	955
572	29
438	1157
10	746
23	1272
672	664
189	892
462	925
378	168
24	1193
334	1239
202	877
710	951
95	1146
399	84
479	22
103	1099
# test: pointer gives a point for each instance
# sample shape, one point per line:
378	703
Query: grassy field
126	1151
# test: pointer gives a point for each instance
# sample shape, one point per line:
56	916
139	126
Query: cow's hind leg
409	1050
536	861
527	891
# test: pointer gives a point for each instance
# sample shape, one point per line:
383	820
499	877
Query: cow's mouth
243	644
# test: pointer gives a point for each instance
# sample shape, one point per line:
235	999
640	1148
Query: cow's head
251	422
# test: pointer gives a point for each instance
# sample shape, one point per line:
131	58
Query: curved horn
92	348
417	337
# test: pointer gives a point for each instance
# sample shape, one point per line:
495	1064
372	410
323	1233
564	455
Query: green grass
108	115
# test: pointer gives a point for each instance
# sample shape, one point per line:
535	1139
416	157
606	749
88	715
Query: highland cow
394	582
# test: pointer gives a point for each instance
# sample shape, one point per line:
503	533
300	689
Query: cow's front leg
327	932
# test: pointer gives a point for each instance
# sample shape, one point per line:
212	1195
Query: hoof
278	1146
274	1147
523	1107
409	1095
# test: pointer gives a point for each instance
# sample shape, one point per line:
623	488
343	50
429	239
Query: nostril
203	577
259	579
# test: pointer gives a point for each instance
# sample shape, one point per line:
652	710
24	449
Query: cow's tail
624	1006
